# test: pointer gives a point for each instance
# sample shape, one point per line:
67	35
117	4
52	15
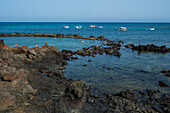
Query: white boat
66	27
92	25
78	27
151	29
122	28
100	26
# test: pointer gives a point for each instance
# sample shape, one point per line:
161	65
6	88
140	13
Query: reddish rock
101	38
6	101
2	43
89	60
121	42
127	46
75	58
7	78
46	43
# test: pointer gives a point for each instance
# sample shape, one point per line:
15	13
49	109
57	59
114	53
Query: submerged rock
163	84
75	58
85	65
165	71
89	60
168	74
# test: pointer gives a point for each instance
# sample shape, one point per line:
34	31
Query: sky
85	11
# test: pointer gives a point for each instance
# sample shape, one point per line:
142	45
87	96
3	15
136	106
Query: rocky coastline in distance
52	35
32	80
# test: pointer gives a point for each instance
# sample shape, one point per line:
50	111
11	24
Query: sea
134	70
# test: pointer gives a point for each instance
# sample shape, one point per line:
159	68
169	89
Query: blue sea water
133	70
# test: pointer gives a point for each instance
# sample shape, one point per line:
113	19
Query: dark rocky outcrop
31	81
149	48
93	50
163	84
165	71
51	35
128	102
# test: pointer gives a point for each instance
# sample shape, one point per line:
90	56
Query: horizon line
88	22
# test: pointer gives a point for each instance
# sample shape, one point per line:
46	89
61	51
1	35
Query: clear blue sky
85	10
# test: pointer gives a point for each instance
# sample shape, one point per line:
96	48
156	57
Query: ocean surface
133	70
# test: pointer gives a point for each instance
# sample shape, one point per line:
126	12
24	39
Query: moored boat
78	27
92	25
151	29
122	28
65	26
100	26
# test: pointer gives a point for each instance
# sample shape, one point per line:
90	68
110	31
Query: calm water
131	71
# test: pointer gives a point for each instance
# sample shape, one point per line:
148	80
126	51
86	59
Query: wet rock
85	65
64	63
132	45
35	34
109	43
168	74
119	45
127	46
151	92
127	94
165	71
76	35
121	42
142	93
96	96
101	53
58	35
108	68
77	92
92	36
117	54
84	54
103	101
15	34
163	84
151	48
3	34
89	60
2	43
74	58
101	38
110	51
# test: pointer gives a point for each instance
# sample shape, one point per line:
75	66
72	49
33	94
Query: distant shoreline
52	35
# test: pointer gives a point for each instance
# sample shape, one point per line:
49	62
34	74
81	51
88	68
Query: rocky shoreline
32	81
149	48
52	35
